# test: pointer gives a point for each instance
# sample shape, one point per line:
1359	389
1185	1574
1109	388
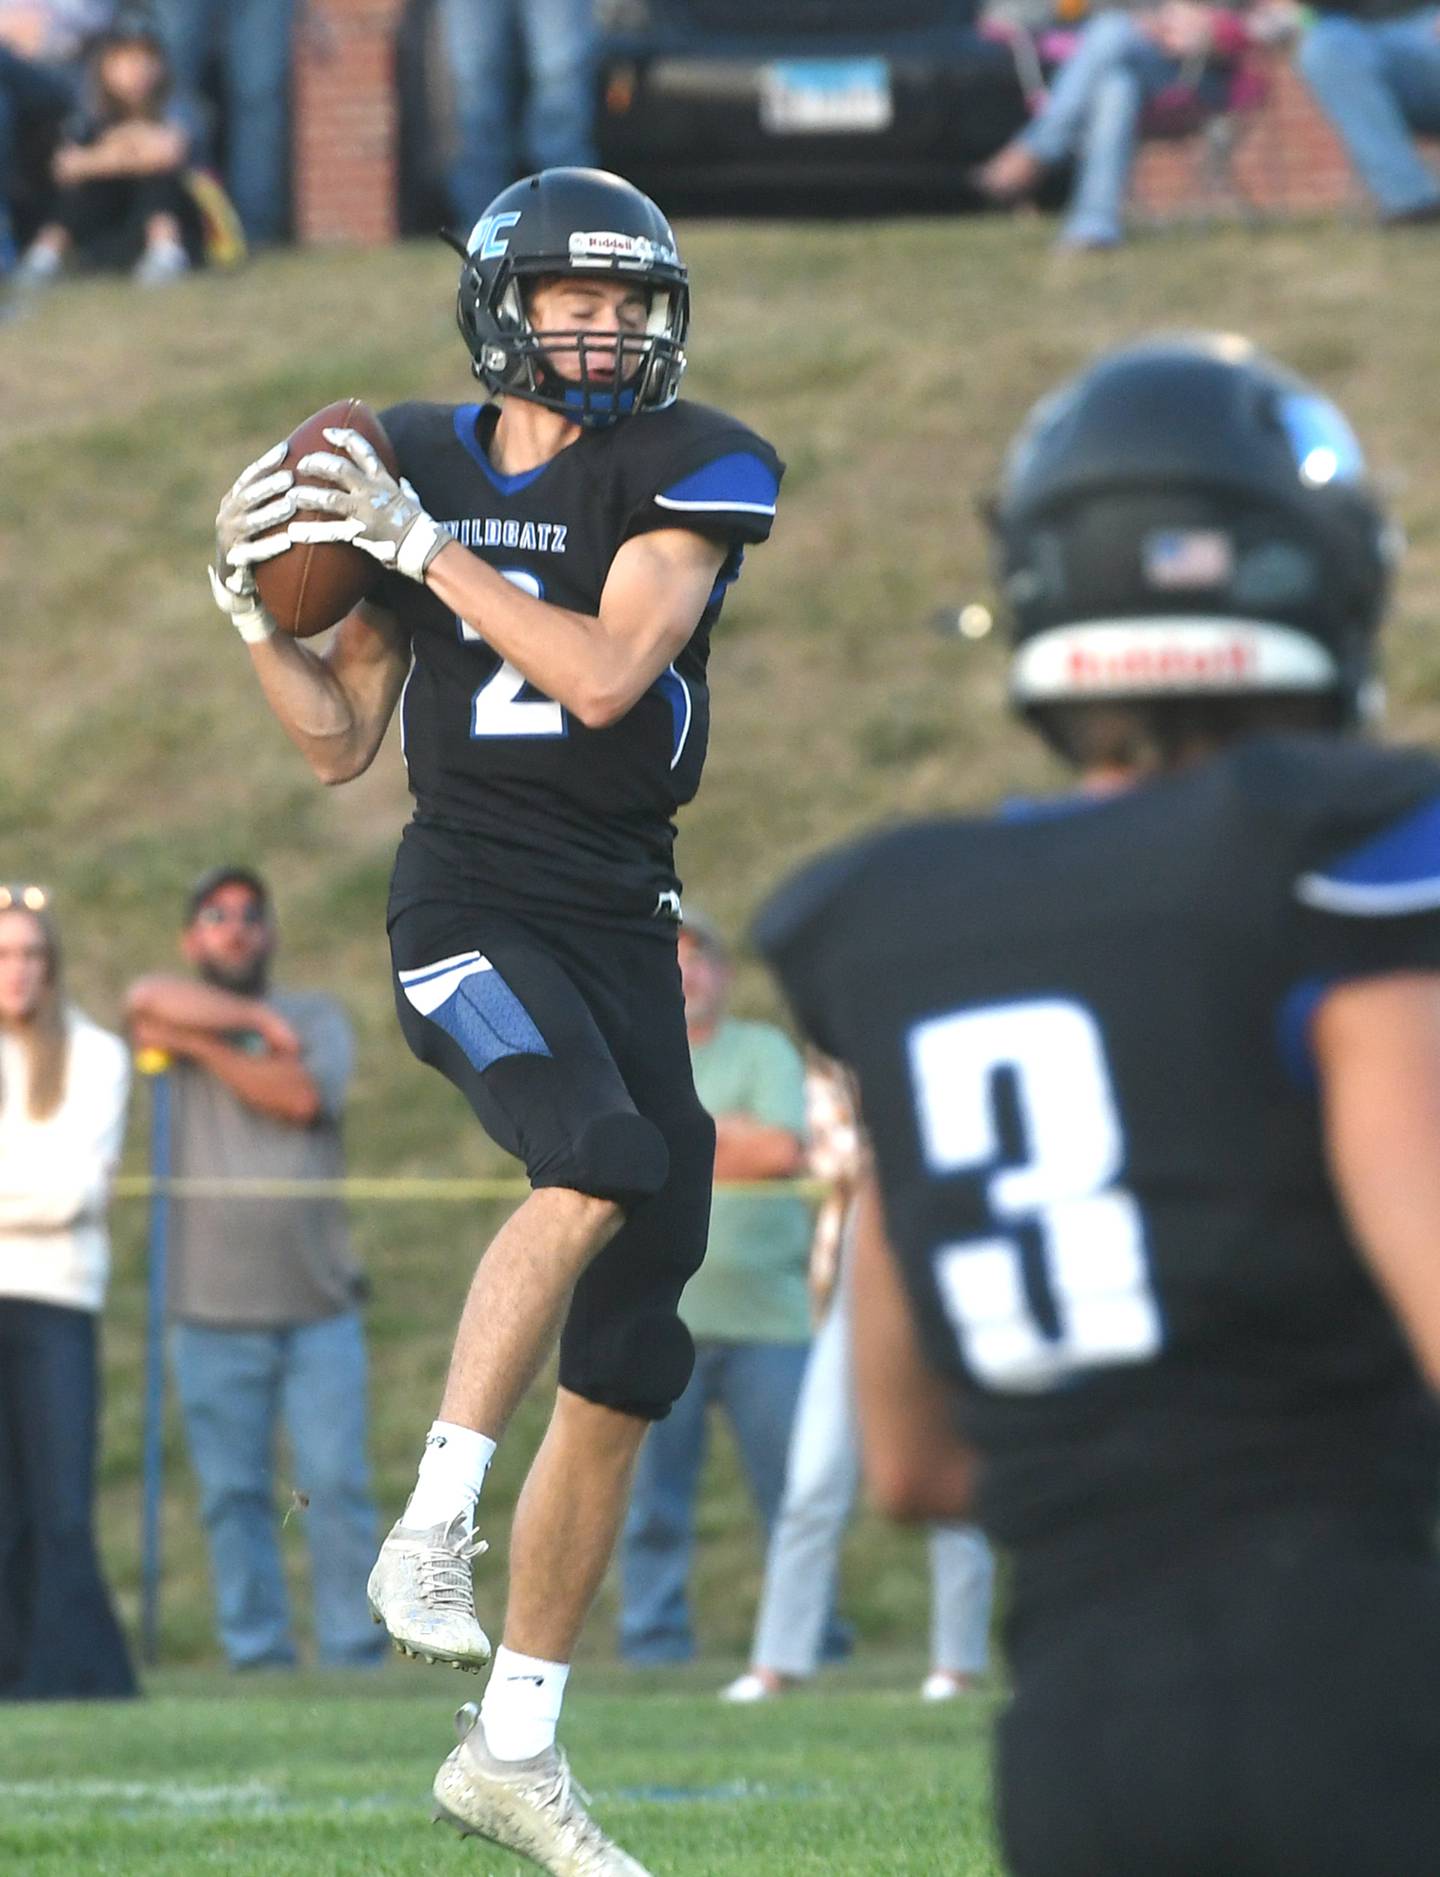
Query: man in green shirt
747	1307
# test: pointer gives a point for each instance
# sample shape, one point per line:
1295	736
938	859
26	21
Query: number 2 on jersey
497	708
1094	1264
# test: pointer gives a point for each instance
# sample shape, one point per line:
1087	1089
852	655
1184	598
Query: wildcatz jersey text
1080	1034
516	802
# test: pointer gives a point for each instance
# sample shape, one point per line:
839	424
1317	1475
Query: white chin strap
1167	655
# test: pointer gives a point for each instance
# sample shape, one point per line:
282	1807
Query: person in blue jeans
32	93
264	1295
499	52
254	41
63	1086
1375	71
747	1307
1121	62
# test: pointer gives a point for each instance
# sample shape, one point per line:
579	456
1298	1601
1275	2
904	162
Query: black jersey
516	802
1080	1034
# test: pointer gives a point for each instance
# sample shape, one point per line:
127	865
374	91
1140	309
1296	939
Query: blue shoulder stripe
738	483
1394	872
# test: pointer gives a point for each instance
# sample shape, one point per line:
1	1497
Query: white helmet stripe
1164	655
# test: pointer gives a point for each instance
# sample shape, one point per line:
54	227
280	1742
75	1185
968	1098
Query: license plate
816	96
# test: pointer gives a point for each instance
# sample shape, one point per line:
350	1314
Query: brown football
312	584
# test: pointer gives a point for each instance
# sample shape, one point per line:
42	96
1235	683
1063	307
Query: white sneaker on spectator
162	262
422	1590
751	1687
530	1806
39	266
943	1684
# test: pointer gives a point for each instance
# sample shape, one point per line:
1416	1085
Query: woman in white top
63	1085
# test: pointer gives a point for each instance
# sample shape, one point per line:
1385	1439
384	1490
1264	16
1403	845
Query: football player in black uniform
1152	1078
556	559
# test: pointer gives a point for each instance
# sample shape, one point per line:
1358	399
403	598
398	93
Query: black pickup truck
813	103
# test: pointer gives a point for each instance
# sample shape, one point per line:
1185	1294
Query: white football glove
372	510
258	503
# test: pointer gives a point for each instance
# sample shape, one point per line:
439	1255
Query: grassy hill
889	362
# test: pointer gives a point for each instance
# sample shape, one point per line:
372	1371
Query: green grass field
889	362
324	1779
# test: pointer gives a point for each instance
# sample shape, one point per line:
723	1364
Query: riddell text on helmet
1230	661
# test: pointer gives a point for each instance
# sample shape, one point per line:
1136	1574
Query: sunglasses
23	898
223	915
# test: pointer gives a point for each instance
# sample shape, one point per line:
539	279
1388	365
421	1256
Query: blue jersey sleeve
736	493
700	470
1365	896
1373	905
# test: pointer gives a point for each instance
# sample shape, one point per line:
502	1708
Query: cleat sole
436	1661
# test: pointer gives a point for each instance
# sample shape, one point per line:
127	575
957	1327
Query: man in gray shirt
264	1294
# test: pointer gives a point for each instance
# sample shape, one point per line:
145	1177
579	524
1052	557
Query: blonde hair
45	1038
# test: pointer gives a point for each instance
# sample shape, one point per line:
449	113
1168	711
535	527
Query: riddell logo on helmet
602	247
1229	661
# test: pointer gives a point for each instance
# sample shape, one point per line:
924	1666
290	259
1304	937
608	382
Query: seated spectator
121	199
822	1474
39	66
1121	63
252	42
63	1084
1374	68
503	52
746	1306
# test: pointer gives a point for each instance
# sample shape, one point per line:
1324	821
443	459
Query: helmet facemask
619	372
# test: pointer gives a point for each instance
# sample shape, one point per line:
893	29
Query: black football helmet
574	221
1187	518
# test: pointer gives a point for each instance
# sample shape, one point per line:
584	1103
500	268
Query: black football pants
569	1043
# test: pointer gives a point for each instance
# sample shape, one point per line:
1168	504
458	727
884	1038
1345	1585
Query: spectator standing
121	199
264	1295
746	1307
1374	68
822	1474
63	1085
1122	61
500	52
40	45
254	43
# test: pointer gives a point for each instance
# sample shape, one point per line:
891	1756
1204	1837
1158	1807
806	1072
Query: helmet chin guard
574	223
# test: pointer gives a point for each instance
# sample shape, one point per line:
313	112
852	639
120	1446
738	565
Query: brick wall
345	123
1287	159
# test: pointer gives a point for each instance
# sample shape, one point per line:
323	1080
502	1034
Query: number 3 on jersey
497	708
1095	1268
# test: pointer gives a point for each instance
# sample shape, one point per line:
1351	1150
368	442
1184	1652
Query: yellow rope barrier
407	1191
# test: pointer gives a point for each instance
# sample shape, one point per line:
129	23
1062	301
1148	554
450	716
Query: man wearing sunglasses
264	1294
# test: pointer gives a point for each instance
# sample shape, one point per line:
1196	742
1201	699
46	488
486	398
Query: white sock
41	262
522	1704
452	1471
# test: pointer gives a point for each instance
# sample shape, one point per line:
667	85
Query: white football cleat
421	1589
530	1806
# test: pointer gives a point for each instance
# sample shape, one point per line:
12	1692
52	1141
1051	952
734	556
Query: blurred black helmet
1187	518
574	221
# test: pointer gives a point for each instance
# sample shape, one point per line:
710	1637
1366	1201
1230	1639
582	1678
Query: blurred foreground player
1152	1078
555	714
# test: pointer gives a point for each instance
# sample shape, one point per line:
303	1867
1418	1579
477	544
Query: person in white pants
822	1475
